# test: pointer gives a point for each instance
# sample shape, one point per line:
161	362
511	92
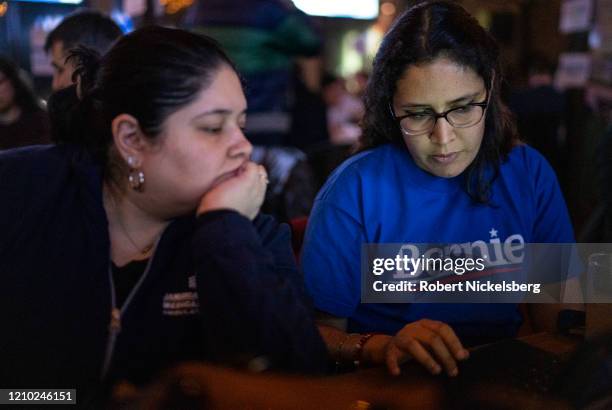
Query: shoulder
360	171
26	185
28	161
44	171
527	173
38	160
530	163
527	155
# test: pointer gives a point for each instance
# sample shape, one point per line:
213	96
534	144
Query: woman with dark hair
22	118
440	163
137	242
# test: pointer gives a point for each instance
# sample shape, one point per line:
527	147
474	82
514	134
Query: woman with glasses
440	163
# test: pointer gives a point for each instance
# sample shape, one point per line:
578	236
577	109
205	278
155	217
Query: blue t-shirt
382	196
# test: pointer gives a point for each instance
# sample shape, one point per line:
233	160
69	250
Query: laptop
510	363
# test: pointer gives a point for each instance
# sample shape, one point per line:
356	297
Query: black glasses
423	122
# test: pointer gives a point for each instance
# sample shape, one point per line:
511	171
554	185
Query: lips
444	158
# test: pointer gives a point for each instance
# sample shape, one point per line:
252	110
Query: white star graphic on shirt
493	233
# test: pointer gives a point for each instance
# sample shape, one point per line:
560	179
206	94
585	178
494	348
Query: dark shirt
125	278
31	128
220	287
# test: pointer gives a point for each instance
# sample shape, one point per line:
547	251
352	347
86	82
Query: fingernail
454	372
463	354
436	369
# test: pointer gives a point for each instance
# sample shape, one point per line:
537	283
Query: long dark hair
25	98
424	32
149	74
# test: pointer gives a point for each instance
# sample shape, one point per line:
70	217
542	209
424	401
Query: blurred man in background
539	110
263	38
89	28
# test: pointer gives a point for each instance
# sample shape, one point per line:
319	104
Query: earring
136	177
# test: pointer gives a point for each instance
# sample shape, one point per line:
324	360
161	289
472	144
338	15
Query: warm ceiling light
174	6
3	8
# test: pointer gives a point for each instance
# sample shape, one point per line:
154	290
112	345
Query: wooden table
416	388
220	388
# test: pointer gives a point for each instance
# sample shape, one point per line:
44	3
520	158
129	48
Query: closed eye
212	130
418	115
464	109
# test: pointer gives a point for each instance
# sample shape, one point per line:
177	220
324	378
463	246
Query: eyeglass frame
444	114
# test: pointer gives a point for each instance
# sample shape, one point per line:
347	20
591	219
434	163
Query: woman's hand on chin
244	192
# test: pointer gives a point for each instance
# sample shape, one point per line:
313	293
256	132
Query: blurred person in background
539	110
89	28
264	38
23	121
344	111
309	112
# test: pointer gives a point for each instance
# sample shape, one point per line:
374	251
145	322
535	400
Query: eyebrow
218	111
456	100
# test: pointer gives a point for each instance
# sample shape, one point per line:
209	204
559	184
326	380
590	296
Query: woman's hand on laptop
432	343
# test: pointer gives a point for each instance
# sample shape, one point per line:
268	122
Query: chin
446	173
449	171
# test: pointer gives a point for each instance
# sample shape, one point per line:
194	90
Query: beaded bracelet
360	344
351	356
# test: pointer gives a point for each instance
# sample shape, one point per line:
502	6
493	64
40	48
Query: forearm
263	310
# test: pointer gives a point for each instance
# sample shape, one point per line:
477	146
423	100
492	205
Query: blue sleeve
331	259
251	297
552	222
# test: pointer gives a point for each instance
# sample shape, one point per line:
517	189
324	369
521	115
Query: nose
241	147
442	133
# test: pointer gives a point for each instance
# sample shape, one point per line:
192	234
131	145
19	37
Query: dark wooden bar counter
203	386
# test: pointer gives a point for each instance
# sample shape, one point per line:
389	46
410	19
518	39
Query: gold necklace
142	251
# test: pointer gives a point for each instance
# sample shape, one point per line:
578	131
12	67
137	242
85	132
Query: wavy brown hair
427	31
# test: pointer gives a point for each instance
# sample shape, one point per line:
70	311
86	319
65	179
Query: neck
133	230
10	115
